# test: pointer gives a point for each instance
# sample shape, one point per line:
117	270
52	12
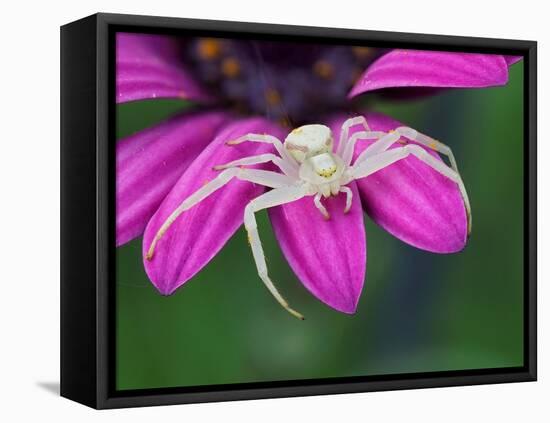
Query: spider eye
308	141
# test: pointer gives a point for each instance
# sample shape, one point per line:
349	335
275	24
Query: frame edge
78	212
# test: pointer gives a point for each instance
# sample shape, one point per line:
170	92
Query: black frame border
87	317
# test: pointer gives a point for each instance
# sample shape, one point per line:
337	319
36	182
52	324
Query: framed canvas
222	183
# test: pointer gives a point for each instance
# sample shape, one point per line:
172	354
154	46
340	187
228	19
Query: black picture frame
87	209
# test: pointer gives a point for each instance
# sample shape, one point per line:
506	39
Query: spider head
309	141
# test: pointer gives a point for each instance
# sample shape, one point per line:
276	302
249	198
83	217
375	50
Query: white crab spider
310	167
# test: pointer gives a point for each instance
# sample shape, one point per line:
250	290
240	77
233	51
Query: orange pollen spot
323	69
209	48
231	67
272	97
361	52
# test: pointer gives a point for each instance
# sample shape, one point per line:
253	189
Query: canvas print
306	210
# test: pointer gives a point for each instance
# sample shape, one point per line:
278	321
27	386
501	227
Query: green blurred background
419	312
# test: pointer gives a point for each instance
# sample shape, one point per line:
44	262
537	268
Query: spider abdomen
308	141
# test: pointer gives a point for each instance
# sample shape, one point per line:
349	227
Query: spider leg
285	167
272	198
320	206
377	162
349	197
379	146
268	139
429	142
438	146
347	154
260	177
344	133
374	163
384	143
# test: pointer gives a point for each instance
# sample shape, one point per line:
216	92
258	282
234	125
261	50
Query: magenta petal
510	60
149	66
149	163
418	68
412	201
328	256
199	233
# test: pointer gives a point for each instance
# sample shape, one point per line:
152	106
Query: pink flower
161	166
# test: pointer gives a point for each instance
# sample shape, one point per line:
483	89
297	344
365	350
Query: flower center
292	83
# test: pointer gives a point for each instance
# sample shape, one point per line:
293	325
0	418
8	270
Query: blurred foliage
419	311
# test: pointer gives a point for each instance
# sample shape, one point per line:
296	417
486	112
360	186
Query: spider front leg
387	141
383	143
347	153
286	168
379	161
272	198
260	177
374	163
441	148
268	139
429	142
